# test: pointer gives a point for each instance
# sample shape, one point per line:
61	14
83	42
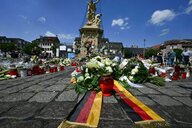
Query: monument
91	33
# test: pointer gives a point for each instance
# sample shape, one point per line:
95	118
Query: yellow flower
73	80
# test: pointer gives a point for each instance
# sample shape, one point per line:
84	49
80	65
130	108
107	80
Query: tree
151	52
178	54
32	48
54	48
127	53
8	47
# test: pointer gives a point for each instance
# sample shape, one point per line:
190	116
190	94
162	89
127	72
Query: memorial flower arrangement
4	73
136	72
65	62
87	77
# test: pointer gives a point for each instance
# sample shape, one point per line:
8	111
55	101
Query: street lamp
144	48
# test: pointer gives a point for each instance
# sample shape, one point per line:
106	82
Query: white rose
136	67
109	69
114	64
80	78
130	78
87	74
101	64
135	70
86	70
132	72
107	62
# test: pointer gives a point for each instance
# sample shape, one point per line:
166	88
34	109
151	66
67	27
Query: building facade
48	45
20	43
180	44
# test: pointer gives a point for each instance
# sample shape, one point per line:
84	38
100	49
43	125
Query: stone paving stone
69	95
163	114
5	106
186	85
180	114
165	100
112	112
5	86
110	99
43	97
49	82
115	124
9	123
2	94
16	97
63	80
23	110
14	88
135	92
146	90
34	88
52	123
169	92
56	88
56	110
182	90
185	100
146	100
80	96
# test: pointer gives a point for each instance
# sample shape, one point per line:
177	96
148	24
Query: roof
47	39
183	41
158	46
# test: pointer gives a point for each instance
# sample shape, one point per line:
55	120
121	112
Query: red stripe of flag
83	115
134	106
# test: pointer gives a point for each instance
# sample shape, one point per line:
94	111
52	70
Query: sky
127	21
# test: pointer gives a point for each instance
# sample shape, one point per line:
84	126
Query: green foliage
117	72
159	81
8	47
53	48
151	52
32	48
143	74
127	53
88	84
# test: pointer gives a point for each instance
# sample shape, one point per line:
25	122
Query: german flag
86	113
135	109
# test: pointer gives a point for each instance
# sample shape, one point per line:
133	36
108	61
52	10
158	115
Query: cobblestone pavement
43	101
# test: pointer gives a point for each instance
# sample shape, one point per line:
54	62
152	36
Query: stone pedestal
90	39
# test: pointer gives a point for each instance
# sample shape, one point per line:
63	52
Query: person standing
185	54
160	57
171	57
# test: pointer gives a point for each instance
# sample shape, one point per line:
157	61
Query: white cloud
42	20
23	17
190	2
188	10
60	35
121	23
164	32
48	33
160	17
66	36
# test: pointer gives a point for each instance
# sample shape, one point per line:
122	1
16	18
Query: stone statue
97	20
91	11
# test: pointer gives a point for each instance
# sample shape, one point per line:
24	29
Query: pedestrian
185	55
160	58
171	57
